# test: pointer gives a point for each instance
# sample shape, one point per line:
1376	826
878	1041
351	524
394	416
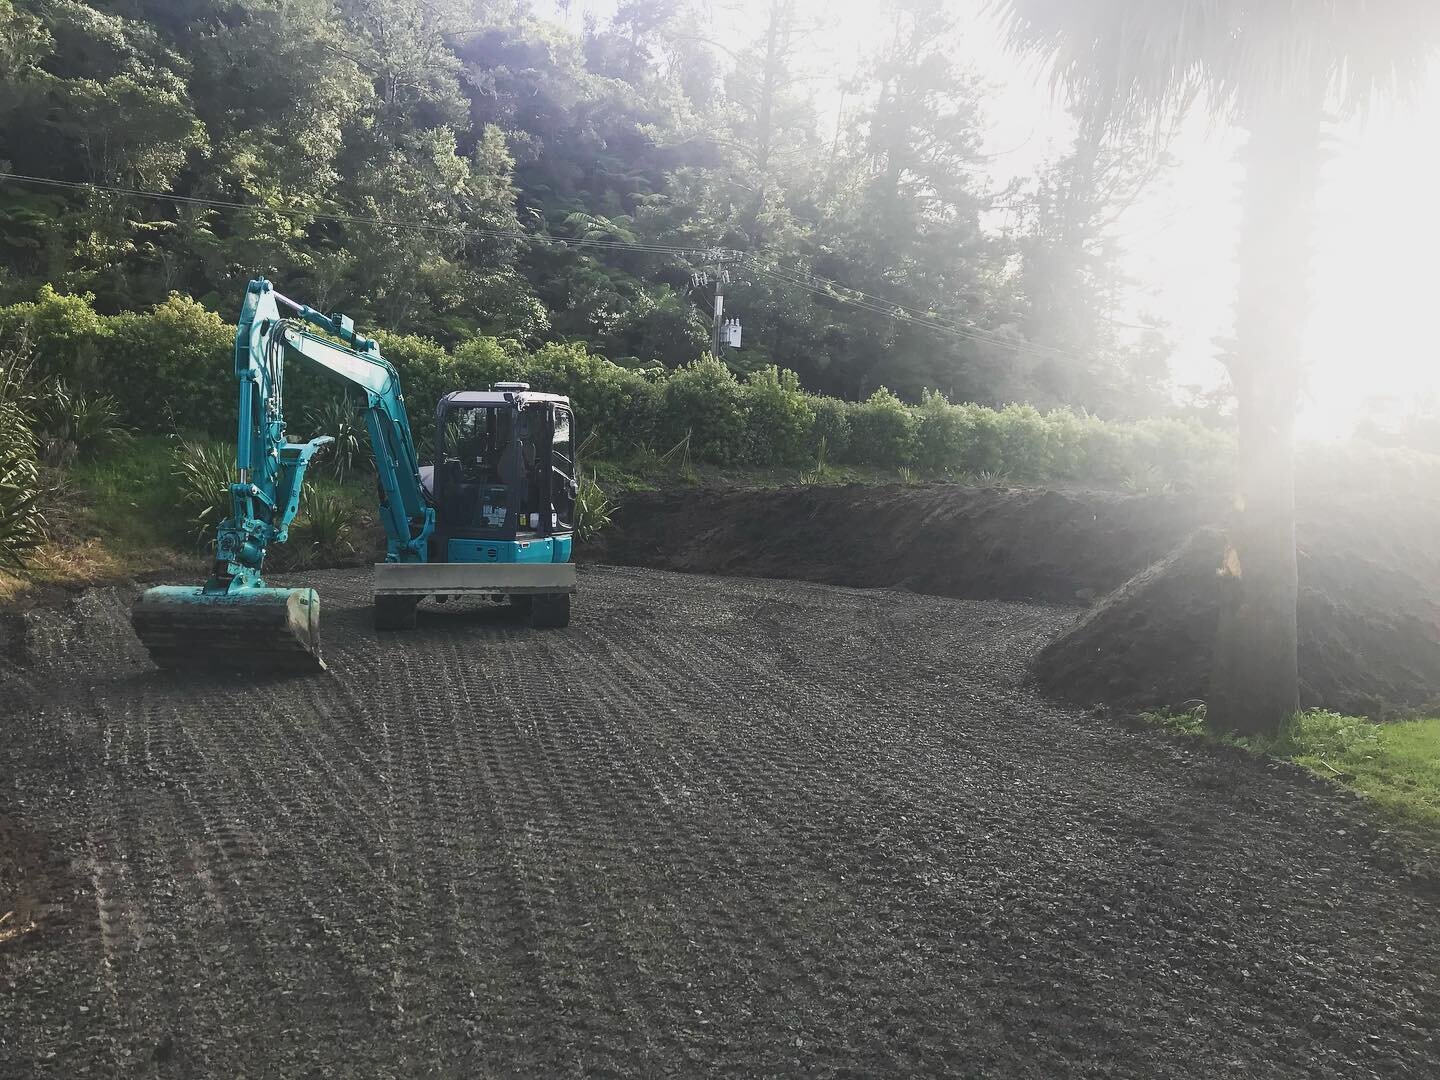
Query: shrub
427	373
203	471
63	334
831	428
942	434
1188	455
480	363
593	508
704	401
778	418
1086	448
72	427
172	367
981	443
882	431
341	420
320	534
1024	442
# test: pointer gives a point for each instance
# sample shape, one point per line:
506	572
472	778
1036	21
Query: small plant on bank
1146	479
593	508
678	458
991	478
817	475
74	427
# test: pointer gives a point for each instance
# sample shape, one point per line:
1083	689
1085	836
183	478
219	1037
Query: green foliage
403	177
778	418
59	335
1396	764
882	431
830	433
22	522
22	525
73	427
341	420
593	508
202	471
702	401
942	435
171	367
320	534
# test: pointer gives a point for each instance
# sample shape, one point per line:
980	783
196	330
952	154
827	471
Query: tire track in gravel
733	828
785	763
855	777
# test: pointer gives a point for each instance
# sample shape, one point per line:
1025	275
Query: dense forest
453	168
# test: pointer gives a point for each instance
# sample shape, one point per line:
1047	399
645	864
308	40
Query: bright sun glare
1370	346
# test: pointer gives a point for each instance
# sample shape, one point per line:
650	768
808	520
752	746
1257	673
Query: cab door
564	480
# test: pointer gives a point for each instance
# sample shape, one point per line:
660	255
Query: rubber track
714	828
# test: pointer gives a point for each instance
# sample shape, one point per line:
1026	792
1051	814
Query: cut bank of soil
981	543
1369	604
717	827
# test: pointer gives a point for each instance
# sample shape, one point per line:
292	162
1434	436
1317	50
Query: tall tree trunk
764	129
1255	682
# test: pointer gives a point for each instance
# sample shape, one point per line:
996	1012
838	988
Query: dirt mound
1369	615
1369	574
978	543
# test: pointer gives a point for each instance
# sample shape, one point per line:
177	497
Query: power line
805	279
900	314
879	305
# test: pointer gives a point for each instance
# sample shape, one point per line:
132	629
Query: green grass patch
1394	764
129	499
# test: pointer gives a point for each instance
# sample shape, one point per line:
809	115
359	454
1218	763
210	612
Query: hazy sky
1372	334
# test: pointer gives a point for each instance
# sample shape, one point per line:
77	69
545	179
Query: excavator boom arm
233	620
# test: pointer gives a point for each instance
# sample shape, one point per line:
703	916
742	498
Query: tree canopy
452	169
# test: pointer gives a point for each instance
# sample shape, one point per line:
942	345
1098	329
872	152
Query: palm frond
1123	58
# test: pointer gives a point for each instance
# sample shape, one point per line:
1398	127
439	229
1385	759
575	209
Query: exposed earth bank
1144	565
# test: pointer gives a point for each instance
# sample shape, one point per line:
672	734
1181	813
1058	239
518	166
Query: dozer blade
260	630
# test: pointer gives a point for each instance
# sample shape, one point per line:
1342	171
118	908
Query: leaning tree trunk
1255	681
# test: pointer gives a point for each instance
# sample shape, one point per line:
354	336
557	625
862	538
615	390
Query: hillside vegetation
454	168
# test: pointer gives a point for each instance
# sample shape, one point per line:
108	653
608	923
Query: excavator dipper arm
234	620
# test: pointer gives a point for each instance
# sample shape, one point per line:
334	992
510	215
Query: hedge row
170	369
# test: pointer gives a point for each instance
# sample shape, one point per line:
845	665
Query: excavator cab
504	475
503	489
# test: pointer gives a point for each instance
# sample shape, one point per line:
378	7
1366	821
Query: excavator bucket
260	630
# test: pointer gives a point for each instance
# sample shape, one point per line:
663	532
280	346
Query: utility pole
720	276
721	332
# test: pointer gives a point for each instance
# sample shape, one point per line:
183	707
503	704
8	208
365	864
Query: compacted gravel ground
716	827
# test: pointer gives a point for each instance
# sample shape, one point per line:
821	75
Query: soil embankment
979	543
1369	575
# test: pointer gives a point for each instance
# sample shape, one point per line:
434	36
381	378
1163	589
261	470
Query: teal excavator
492	515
